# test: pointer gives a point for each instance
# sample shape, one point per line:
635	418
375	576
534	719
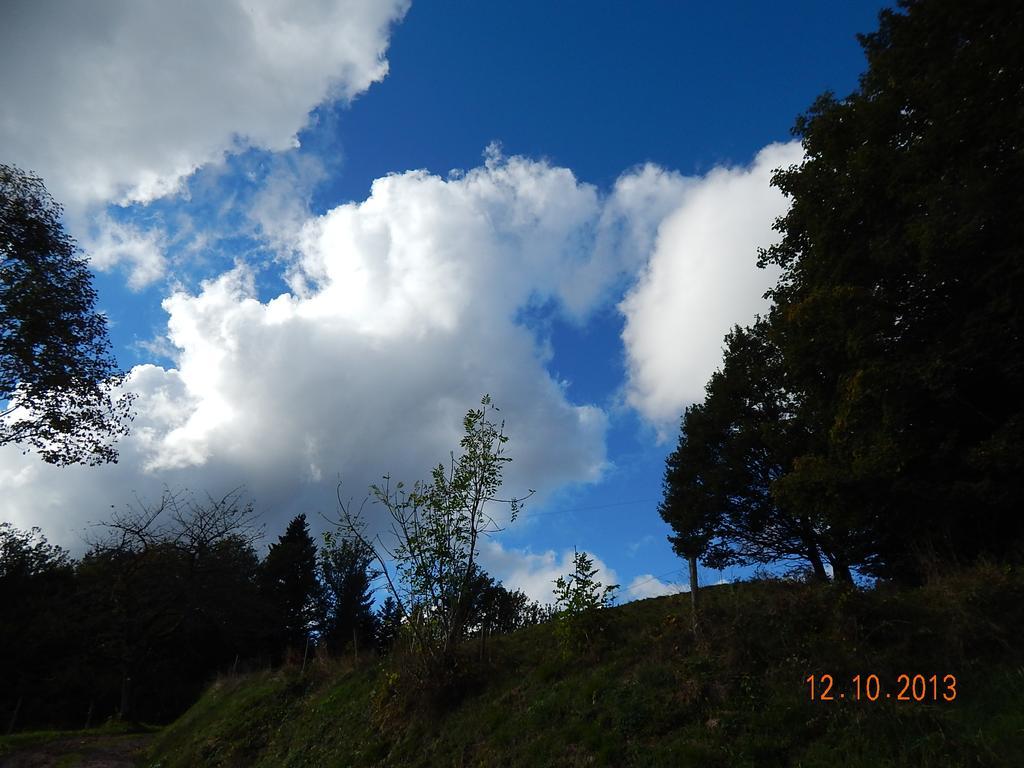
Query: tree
345	567
389	624
497	610
720	489
57	376
898	309
689	503
164	598
578	598
36	590
434	538
503	611
288	581
171	596
580	591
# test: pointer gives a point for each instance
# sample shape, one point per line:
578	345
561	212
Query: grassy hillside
647	693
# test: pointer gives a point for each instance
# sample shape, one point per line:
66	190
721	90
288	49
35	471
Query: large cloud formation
404	309
119	100
699	281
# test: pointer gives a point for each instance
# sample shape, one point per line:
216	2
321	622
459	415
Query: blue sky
322	231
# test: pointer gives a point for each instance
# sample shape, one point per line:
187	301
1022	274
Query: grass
23	740
646	692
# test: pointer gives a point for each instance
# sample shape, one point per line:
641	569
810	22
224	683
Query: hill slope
646	693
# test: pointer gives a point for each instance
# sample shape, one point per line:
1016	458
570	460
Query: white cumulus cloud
404	311
115	243
647	585
700	280
535	573
119	100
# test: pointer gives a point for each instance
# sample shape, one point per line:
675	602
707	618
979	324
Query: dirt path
81	752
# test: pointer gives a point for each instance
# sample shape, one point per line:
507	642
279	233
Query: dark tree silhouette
899	307
57	375
689	503
172	595
348	575
495	610
35	598
389	624
873	421
288	581
719	490
165	597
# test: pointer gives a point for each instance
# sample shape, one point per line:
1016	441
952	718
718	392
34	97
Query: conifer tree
289	583
346	569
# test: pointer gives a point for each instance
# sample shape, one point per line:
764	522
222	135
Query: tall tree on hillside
720	483
348	574
898	311
57	375
288	580
436	529
689	502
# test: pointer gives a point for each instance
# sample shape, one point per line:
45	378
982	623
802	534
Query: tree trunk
813	551
14	718
841	572
126	697
817	564
694	589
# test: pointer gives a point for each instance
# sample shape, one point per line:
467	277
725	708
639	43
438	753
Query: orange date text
872	688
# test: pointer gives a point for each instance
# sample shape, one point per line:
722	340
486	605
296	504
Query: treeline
872	421
172	594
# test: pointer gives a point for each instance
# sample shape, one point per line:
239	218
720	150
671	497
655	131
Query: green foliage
719	492
579	597
689	502
26	555
897	311
497	610
873	420
436	529
580	591
56	371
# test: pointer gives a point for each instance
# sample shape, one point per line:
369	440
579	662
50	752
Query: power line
585	509
649	579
